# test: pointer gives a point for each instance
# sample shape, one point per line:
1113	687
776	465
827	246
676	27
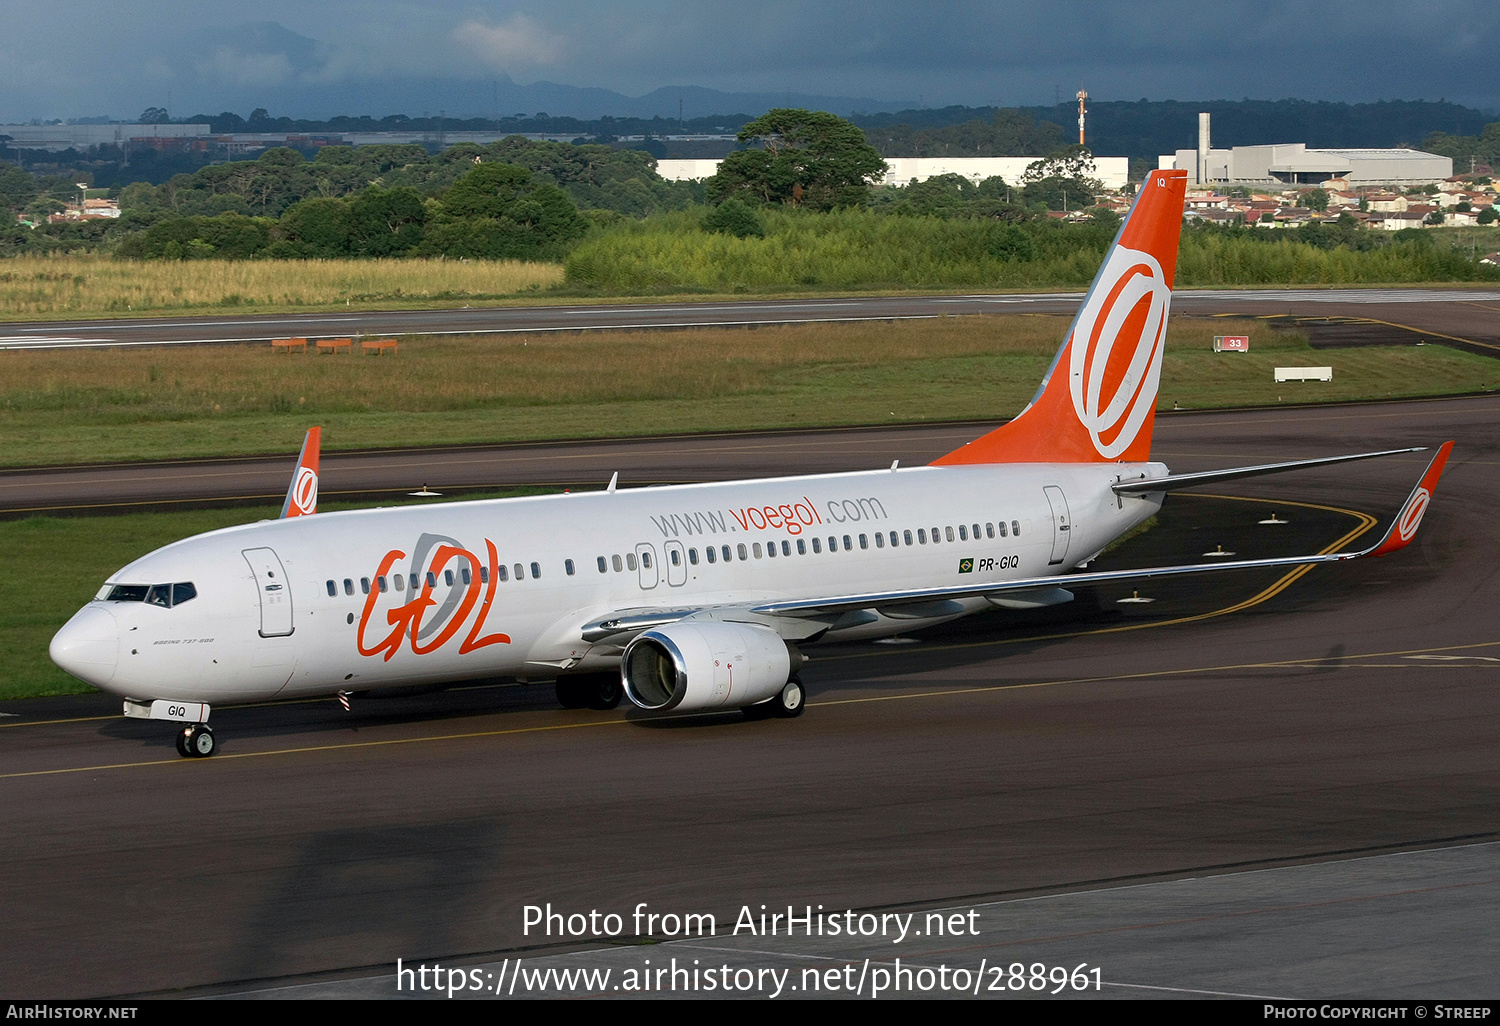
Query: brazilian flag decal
966	566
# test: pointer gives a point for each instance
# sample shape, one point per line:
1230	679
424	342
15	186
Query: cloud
518	42
228	65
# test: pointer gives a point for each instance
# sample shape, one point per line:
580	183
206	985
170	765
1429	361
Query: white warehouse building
1296	164
1111	171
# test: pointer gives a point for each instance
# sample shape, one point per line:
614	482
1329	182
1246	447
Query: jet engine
708	664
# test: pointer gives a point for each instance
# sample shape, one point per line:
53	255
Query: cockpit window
164	595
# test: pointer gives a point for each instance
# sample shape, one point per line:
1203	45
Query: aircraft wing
1174	481
937	602
1397	536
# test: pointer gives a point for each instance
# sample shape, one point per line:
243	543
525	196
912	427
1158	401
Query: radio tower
1082	95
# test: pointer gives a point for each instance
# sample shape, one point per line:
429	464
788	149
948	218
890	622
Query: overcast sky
78	58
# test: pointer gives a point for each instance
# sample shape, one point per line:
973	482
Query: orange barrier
289	344
380	347
333	345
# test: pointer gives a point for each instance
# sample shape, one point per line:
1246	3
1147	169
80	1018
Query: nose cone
88	646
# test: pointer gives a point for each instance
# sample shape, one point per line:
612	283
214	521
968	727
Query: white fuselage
501	600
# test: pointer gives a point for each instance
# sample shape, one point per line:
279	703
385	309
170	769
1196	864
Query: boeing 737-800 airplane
686	598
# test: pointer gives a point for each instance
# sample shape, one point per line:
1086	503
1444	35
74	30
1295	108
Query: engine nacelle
706	664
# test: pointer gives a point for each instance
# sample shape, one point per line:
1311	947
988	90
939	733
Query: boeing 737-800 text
685	598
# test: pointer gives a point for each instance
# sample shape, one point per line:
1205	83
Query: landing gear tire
760	710
199	741
790	700
607	692
182	743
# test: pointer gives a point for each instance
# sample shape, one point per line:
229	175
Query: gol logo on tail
1115	358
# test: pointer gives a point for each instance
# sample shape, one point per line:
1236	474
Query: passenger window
817	545
741	548
963	533
484	575
1002	529
801	547
364	585
893	539
1015	528
603	565
448	578
520	572
709	552
864	542
348	586
949	532
976	532
879	540
432	579
756	548
568	567
536	572
630	560
465	576
416	581
921	536
646	559
786	548
675	556
937	534
693	556
182	592
771	549
989	531
616	559
382	584
501	573
400	582
333	589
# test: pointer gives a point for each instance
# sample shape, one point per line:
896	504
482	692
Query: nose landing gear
196	741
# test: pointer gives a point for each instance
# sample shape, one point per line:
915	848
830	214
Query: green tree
1313	199
1488	216
734	217
804	158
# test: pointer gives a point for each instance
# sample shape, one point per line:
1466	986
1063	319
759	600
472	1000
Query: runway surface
1235	724
1455	311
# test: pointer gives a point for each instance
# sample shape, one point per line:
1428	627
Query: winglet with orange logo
1097	403
1404	528
302	496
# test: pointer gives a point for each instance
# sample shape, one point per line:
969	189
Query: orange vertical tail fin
1097	403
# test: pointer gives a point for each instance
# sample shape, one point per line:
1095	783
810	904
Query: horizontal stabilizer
1175	481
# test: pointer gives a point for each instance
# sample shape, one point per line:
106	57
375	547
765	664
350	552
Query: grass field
143	403
68	286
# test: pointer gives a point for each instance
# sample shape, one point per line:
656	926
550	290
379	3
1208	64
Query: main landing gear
196	741
590	690
788	702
